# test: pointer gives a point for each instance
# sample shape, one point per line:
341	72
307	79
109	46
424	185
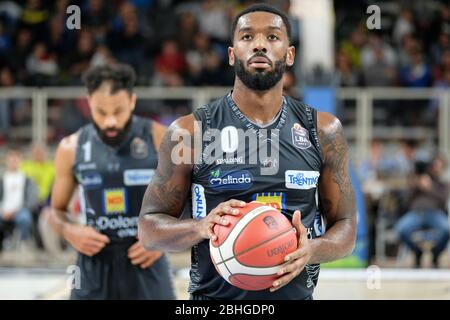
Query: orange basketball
250	250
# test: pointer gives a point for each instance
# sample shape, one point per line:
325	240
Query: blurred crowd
407	194
169	43
412	48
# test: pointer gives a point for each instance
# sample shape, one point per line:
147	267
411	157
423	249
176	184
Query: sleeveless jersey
233	166
112	181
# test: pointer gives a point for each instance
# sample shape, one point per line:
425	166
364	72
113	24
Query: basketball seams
257	245
235	265
227	263
227	244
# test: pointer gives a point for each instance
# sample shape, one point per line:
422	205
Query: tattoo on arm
169	187
336	158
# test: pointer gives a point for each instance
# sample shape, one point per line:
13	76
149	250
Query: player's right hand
85	239
216	216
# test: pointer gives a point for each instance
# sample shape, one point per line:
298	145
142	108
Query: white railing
364	97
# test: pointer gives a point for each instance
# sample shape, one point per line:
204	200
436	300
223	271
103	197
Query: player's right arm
84	239
159	225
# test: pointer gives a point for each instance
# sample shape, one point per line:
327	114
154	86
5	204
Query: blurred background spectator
18	197
427	210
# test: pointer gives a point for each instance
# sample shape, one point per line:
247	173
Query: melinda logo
301	179
138	177
231	180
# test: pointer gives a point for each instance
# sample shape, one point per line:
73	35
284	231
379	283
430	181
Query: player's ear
231	56
88	98
290	57
133	101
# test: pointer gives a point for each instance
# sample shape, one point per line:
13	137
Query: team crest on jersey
139	148
275	200
300	137
115	201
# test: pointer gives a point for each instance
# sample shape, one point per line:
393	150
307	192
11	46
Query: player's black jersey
113	180
243	169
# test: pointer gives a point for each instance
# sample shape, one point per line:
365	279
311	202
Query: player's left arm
338	205
137	253
336	194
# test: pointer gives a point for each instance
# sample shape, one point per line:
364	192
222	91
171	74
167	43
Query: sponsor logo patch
230	180
302	180
115	201
138	177
198	201
276	200
90	180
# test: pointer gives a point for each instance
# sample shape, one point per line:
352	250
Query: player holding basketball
112	160
312	159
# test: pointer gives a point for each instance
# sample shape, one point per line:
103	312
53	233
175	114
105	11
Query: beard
120	136
260	80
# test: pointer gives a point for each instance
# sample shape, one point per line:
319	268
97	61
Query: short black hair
261	7
121	76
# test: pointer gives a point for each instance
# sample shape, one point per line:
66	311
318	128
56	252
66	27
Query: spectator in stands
417	74
442	68
352	47
42	66
379	72
375	48
427	210
409	44
8	107
405	158
345	74
440	47
35	17
41	171
205	64
441	23
170	64
5	40
102	56
80	60
11	12
188	23
375	166
128	44
404	25
214	21
6	80
19	54
97	17
18	196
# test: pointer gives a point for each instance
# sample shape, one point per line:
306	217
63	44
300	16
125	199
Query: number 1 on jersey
87	149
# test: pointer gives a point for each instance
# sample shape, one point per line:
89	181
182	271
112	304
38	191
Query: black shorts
111	275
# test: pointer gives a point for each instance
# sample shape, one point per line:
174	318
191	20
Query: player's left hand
297	260
144	258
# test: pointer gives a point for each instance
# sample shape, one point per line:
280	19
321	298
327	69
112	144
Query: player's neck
259	106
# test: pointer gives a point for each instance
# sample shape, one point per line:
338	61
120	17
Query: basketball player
312	157
112	160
